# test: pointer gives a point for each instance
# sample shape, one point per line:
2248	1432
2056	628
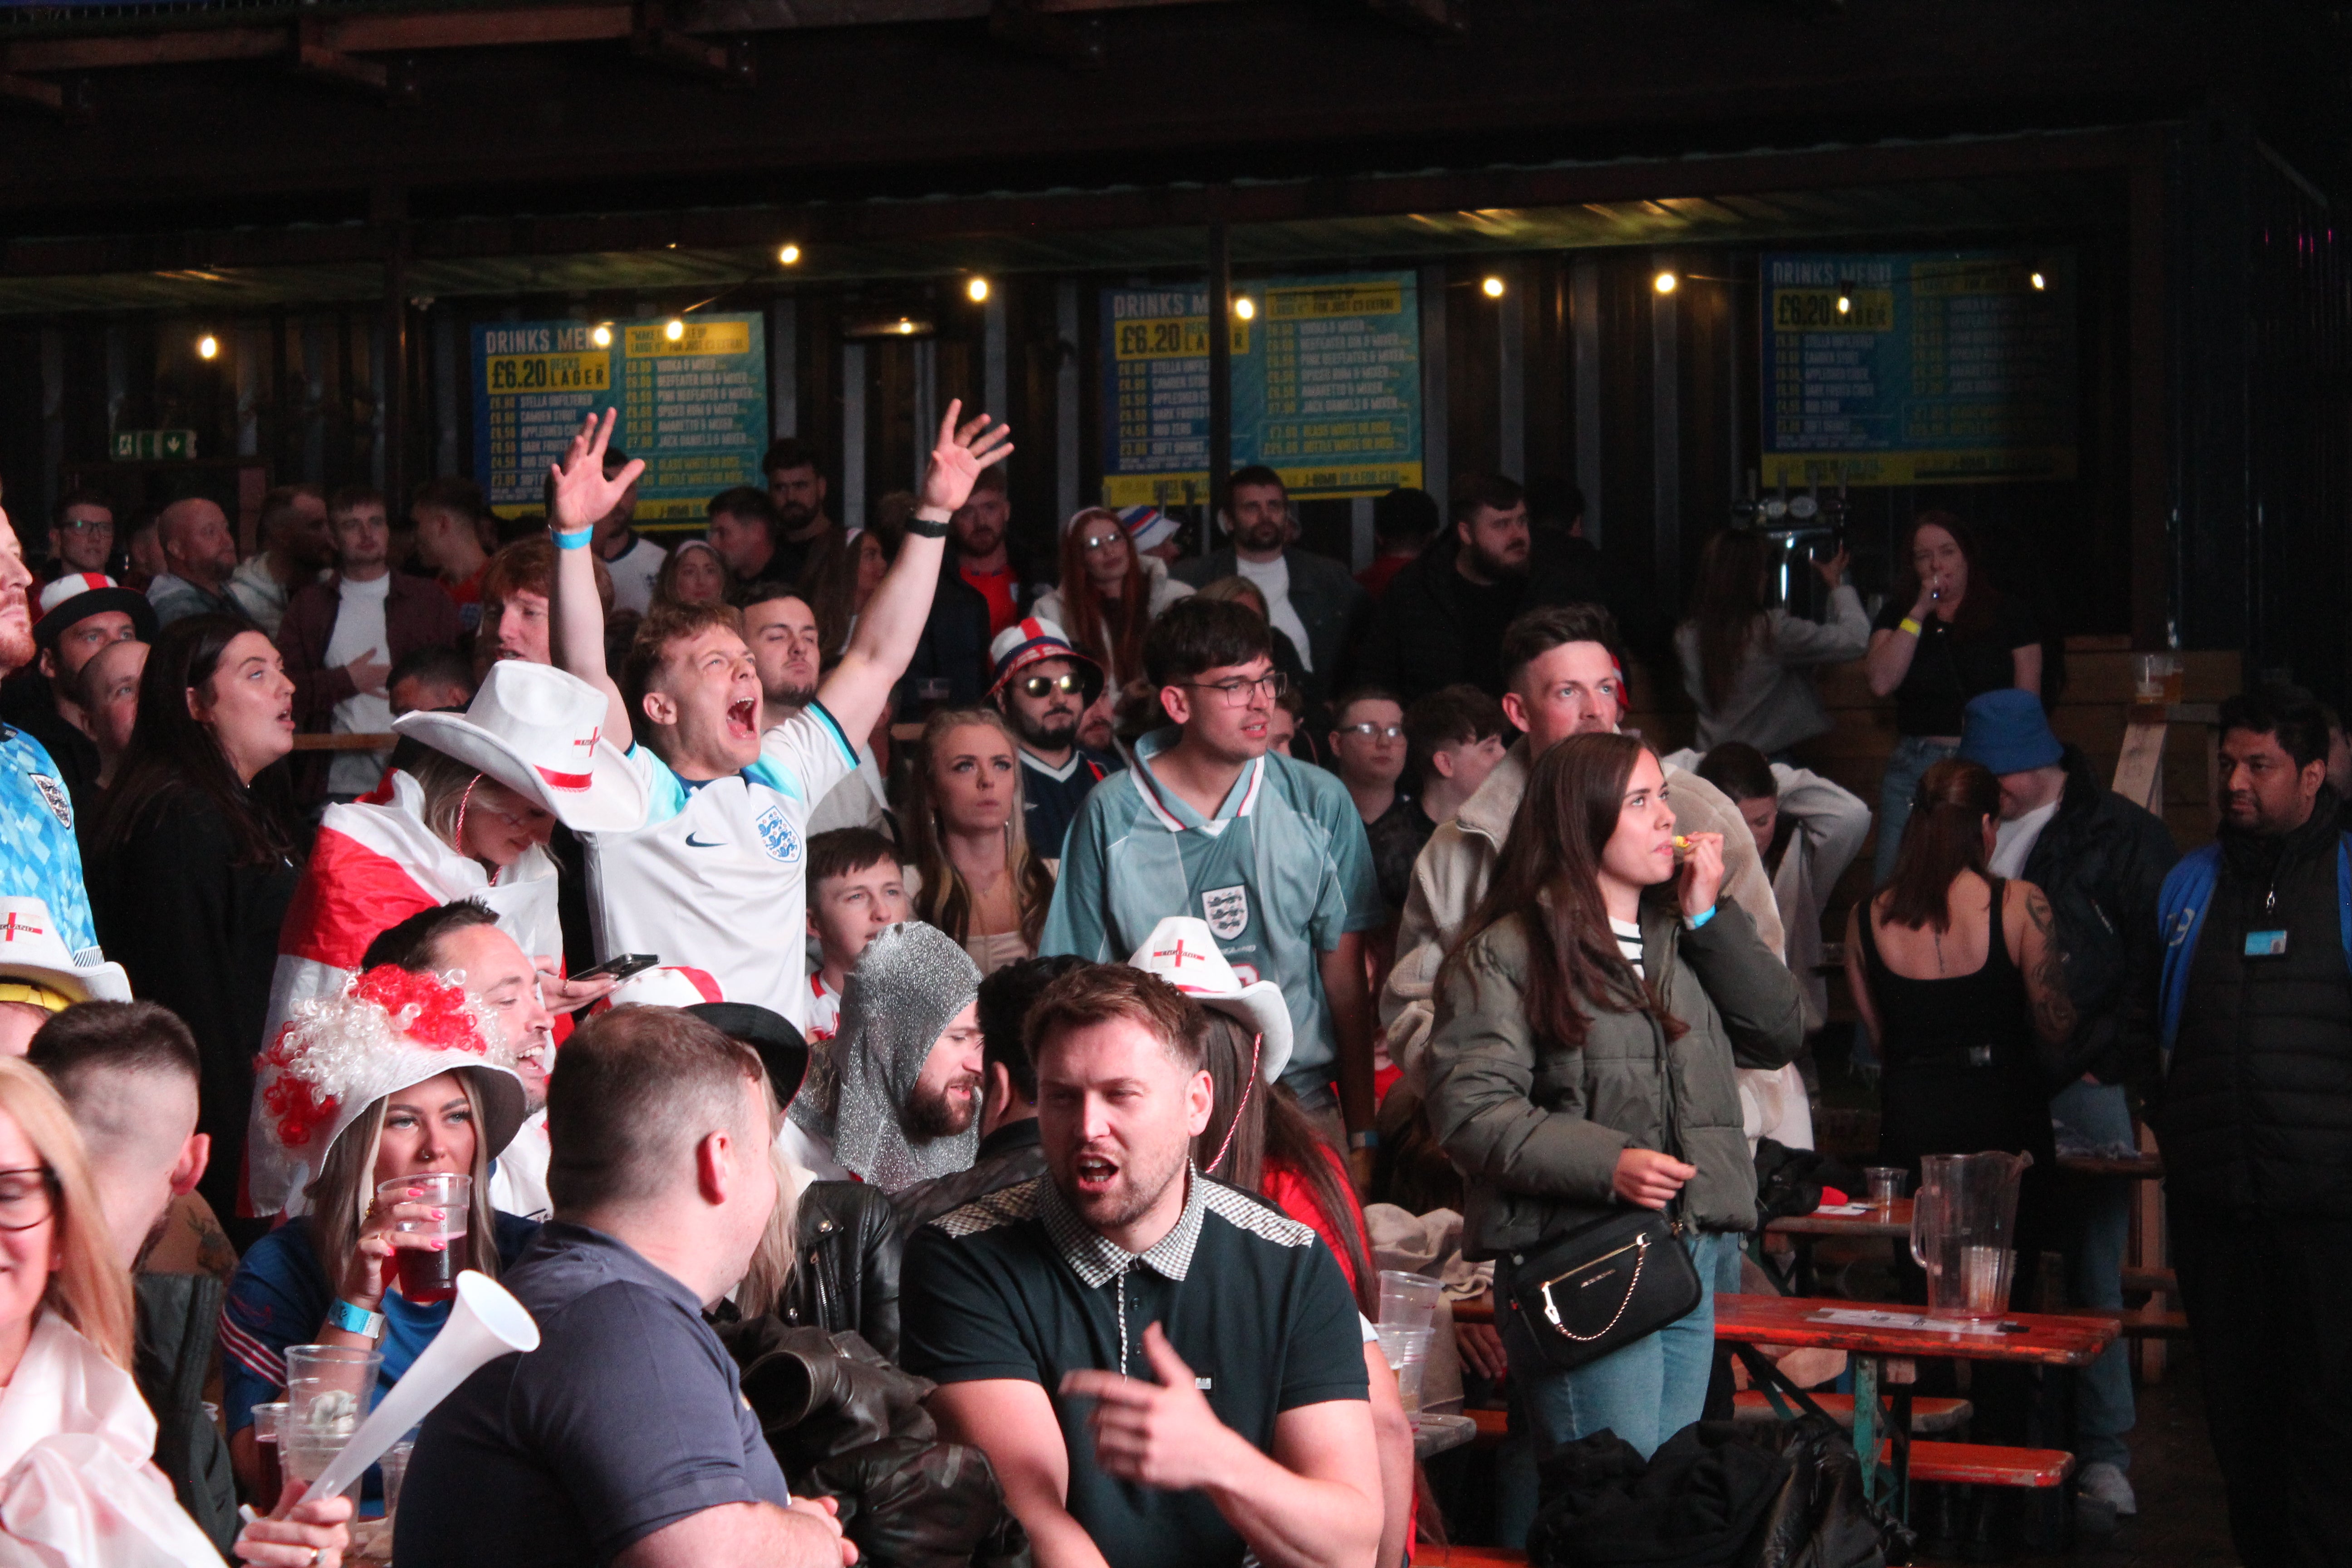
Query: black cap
95	602
1404	513
782	1050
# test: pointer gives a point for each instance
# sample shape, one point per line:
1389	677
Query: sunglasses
1040	686
1372	731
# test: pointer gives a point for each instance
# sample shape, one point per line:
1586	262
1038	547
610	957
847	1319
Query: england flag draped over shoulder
373	865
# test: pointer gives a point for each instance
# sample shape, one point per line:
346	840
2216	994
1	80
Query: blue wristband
1693	923
576	541
354	1320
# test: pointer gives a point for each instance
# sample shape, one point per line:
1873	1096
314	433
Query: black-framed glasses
1371	732
28	1195
1237	693
84	524
1042	686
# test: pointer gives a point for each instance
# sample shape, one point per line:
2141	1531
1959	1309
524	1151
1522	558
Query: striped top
1629	943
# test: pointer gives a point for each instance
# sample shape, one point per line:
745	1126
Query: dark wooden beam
32	92
1064	34
654	38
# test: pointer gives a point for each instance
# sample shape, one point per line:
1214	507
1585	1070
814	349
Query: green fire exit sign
139	445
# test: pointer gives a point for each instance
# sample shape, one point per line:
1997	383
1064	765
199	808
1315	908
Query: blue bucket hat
2008	732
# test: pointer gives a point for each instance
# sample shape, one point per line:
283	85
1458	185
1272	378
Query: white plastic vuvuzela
486	1323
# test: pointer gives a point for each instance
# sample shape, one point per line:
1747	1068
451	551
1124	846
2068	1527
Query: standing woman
694	573
1958	978
1746	661
965	838
467	817
194	865
1108	595
1583	1059
1960	637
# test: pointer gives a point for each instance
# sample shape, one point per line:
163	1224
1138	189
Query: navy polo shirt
626	1418
1015	1285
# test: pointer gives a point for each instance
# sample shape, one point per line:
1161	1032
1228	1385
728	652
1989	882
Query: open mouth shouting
743	719
1093	1175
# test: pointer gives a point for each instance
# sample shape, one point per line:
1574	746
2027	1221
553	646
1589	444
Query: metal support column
852	435
1584	330
1220	367
1666	436
1511	369
1431	289
1067	387
783	367
391	395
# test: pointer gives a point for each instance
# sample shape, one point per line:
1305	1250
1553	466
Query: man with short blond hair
199	556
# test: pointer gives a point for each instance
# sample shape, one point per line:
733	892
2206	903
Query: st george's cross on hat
35	961
1033	640
1182	952
77	595
540	731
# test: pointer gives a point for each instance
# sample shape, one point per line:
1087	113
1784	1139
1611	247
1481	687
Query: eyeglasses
27	1197
86	524
1371	732
1039	686
1097	541
1237	693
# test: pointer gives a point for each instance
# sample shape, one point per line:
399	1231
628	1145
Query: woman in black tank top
1966	1051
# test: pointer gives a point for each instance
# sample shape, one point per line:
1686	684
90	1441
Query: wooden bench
1494	1425
1926	1415
2141	1322
1426	1556
1986	1465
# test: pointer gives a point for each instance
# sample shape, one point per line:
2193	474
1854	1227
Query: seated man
1044	685
895	1099
1009	1152
855	886
128	1072
1231	1419
624	1437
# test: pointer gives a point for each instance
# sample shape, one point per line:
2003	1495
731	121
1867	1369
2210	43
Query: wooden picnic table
2041	1339
1806	1229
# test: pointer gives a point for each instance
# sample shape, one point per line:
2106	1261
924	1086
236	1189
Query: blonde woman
399	1076
78	1484
965	834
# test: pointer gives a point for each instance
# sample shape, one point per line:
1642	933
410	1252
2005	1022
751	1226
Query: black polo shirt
1050	798
628	1418
1017	1286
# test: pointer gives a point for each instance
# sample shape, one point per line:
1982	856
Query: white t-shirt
1273	580
2014	842
717	877
518	1185
359	630
824	1011
634	571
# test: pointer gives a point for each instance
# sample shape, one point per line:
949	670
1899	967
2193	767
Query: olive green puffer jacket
1537	1127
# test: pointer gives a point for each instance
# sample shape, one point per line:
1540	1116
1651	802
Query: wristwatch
928	527
354	1320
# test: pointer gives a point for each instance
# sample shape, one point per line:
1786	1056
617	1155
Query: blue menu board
1326	384
1919	367
695	407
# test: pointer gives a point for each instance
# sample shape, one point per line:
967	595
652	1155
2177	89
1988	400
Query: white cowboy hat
540	732
32	951
387	1031
670	985
1182	953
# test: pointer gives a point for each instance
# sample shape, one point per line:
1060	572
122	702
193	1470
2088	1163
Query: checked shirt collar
1097	1260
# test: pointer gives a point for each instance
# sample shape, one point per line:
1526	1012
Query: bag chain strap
1551	1308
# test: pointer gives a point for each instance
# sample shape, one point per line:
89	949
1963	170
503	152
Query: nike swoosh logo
694	843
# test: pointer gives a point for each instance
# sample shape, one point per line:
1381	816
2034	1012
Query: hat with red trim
33	956
540	732
1184	952
77	595
1030	641
1148	526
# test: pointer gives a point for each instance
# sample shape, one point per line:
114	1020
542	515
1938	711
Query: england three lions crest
777	837
1227	912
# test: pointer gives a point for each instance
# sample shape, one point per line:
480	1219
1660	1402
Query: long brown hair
1265	1125
1979	601
344	1190
1725	607
1111	633
1550	877
173	755
946	899
87	1288
1943	839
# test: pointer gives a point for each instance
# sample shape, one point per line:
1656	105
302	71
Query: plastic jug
1963	1231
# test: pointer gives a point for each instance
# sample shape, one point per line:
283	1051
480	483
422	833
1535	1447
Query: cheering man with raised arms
715	871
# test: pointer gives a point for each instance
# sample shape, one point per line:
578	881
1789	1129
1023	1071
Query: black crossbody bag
1607	1283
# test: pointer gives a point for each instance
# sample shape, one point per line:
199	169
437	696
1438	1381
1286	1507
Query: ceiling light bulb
603	336
2039	281
1494	288
1846	305
208	347
675	331
1245	308
978	289
790	255
1664	282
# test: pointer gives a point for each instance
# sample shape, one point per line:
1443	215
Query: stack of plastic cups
329	1391
1408	1317
266	1420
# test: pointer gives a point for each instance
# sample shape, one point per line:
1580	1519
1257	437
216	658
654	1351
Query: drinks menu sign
695	406
1326	385
1918	367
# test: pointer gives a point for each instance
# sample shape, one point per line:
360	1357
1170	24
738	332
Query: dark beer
427	1275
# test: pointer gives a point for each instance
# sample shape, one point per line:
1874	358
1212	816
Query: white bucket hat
1182	953
540	732
386	1030
32	952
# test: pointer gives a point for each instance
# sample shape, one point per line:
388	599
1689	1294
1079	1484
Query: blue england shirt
39	858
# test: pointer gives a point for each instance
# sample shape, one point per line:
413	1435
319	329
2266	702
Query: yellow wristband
1907	625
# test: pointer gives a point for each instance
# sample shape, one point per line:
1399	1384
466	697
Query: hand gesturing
584	496
1160	1434
956	462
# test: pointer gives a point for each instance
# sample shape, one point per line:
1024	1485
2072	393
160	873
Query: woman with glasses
191	863
967	839
78	1482
1108	595
465	813
394	1078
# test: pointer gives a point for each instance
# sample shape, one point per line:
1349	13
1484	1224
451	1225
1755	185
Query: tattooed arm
2032	933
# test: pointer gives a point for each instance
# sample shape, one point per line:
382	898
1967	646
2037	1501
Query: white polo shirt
716	878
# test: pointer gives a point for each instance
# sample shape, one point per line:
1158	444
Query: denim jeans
2099	1226
1644	1392
1905	765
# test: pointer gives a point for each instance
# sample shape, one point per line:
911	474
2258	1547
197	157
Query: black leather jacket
847	1276
1008	1157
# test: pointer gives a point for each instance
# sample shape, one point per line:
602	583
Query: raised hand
956	462
1702	873
584	496
1160	1434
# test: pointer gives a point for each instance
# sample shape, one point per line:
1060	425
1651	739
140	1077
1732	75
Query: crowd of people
869	977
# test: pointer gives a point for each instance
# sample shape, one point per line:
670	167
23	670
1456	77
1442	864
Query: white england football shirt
715	878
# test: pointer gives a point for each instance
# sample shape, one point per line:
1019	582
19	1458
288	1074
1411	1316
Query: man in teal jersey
1270	852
